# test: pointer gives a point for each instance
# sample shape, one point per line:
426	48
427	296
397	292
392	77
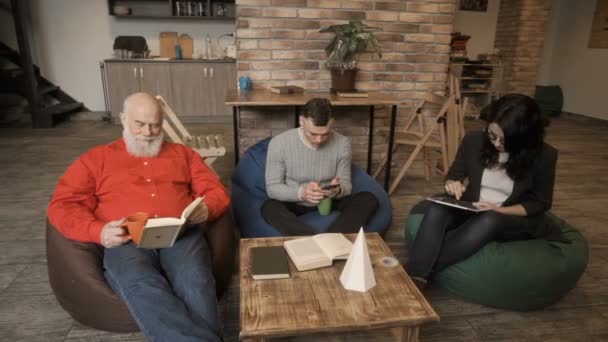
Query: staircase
23	90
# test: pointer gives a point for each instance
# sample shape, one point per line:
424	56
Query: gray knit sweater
291	163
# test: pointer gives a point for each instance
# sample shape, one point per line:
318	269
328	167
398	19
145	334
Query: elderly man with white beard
170	292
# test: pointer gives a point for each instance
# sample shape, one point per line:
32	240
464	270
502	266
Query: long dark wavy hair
520	118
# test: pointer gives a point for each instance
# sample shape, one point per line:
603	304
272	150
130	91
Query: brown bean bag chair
76	276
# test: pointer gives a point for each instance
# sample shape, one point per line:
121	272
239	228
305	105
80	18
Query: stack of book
352	93
290	89
458	46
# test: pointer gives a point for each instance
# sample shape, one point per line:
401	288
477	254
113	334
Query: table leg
406	334
370	139
235	131
389	151
296	116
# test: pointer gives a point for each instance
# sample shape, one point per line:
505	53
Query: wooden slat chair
209	147
461	104
422	139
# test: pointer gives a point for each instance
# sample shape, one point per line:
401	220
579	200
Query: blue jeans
170	292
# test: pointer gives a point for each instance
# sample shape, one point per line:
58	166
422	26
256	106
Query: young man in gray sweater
303	160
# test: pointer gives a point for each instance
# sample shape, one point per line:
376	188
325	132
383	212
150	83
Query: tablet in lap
452	202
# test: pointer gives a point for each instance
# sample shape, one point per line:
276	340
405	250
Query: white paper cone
358	274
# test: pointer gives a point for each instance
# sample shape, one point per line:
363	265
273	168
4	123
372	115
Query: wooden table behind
267	98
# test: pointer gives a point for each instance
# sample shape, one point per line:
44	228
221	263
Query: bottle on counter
178	52
207	46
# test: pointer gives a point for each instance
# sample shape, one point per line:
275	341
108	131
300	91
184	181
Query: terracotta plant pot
343	79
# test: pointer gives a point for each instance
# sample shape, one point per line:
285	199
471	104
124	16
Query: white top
496	185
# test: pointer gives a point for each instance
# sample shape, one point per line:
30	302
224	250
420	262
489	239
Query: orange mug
134	225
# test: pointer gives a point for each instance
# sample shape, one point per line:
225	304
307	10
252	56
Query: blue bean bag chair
516	275
249	193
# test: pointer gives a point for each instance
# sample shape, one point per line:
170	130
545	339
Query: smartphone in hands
330	186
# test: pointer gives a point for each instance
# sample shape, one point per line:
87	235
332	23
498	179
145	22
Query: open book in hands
318	251
159	232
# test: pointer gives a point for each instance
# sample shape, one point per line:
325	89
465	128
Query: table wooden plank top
264	97
315	301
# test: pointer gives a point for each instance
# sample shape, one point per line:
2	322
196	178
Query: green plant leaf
349	39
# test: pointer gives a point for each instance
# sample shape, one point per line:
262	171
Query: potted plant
349	40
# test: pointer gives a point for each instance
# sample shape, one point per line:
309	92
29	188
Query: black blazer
534	192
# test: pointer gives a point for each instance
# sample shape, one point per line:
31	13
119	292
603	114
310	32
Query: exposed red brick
420	38
288	3
318	35
242	23
415	18
389	37
400	67
422	7
247	12
323	3
398	28
330	14
431	67
394	77
427	58
275	34
390	6
282	23
318	75
383	16
247	44
356	4
253	3
249	55
372	66
284	65
257	75
447	8
415	77
279	43
317	55
279	12
443	19
288	75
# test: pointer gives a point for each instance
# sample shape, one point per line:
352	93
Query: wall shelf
173	9
479	82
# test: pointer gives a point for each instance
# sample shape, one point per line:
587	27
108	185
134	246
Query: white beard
140	146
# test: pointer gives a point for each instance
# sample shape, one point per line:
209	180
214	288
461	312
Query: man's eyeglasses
493	137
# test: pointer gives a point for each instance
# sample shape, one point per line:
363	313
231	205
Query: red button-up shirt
107	184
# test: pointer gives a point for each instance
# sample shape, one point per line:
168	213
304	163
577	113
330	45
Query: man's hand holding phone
330	186
333	188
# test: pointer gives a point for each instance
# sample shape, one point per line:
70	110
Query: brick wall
520	35
278	43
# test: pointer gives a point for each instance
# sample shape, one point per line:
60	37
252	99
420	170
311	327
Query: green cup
324	206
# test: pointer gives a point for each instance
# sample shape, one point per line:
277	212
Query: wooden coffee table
315	301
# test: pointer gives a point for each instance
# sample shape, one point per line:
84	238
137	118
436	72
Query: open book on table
162	232
317	251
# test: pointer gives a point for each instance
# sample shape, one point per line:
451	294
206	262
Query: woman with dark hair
510	173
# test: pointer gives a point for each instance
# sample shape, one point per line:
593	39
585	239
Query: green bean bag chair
516	275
